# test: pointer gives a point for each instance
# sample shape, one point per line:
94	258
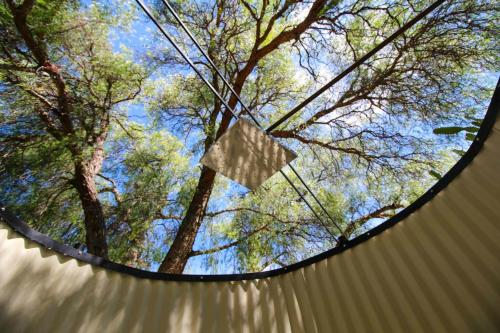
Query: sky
142	36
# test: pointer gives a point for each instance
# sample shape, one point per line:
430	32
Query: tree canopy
103	124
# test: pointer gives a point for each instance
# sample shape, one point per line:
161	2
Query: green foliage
435	174
331	4
35	183
365	145
454	130
470	134
153	170
38	169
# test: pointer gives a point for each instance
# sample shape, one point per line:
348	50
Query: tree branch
20	14
273	260
113	189
379	213
227	246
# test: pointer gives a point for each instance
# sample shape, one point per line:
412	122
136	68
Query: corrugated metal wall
436	271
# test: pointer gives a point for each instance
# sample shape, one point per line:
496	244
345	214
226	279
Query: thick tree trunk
84	182
181	248
85	169
95	235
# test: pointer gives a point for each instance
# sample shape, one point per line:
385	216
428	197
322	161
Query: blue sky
142	37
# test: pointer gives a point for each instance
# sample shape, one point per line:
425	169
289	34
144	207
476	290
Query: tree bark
180	251
95	229
20	13
85	169
176	259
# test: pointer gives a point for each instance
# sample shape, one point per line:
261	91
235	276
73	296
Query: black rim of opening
25	230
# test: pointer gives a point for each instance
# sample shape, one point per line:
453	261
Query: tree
100	142
60	74
420	77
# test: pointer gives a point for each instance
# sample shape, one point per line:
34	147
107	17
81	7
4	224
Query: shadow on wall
41	291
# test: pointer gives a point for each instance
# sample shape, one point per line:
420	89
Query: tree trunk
84	182
180	251
181	248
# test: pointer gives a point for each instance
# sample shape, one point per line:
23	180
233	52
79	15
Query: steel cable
192	65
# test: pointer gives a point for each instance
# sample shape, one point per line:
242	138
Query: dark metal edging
23	229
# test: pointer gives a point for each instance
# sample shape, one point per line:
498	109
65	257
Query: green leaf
459	151
448	130
472	129
469	136
435	174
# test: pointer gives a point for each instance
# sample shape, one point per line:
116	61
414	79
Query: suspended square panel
247	155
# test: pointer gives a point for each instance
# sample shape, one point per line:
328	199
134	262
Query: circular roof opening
104	122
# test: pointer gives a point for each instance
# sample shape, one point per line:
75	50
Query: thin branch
113	189
379	213
273	260
227	246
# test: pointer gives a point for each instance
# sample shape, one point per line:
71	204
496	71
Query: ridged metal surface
436	271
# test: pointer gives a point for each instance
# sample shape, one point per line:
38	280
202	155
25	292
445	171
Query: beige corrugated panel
436	271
